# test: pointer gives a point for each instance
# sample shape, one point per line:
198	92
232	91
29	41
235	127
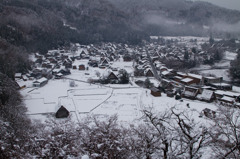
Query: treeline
15	125
235	69
13	59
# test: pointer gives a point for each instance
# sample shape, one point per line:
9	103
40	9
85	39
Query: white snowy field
128	104
229	55
223	66
125	101
47	99
128	66
218	73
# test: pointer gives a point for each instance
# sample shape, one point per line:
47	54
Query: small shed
24	77
81	67
190	92
74	67
58	76
155	92
20	84
62	112
41	82
207	95
18	75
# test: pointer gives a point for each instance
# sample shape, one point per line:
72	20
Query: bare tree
144	142
180	135
56	139
160	124
191	137
103	139
225	133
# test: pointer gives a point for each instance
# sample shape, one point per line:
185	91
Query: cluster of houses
59	63
187	85
196	87
177	51
148	60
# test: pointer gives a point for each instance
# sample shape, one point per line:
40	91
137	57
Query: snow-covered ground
220	69
127	101
218	73
229	55
124	100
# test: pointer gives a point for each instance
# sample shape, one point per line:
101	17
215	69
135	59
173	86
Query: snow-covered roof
18	75
43	79
21	83
208	87
178	77
59	74
210	77
189	93
165	73
229	99
221	84
181	73
206	94
187	80
106	73
148	69
195	75
228	93
163	67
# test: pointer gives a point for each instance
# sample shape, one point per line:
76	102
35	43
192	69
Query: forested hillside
44	24
41	25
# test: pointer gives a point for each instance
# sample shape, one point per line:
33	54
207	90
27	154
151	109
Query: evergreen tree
123	76
186	55
147	83
235	68
211	39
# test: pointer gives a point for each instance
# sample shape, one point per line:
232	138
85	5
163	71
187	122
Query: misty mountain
180	17
40	25
45	24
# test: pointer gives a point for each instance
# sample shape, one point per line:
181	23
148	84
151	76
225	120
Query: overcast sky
232	4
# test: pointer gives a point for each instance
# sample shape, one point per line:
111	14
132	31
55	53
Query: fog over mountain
43	24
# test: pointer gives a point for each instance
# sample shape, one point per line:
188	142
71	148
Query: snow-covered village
120	79
125	81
